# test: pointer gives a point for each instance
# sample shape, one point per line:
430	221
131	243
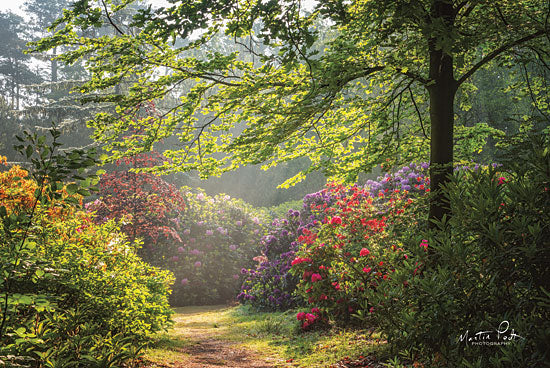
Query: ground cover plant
73	292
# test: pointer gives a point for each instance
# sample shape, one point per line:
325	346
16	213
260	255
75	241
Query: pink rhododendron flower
233	247
316	277
299	260
236	277
181	249
209	232
315	310
366	269
184	281
364	252
310	317
301	316
198	264
336	220
424	244
501	180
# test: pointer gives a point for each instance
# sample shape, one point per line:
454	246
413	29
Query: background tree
385	85
15	68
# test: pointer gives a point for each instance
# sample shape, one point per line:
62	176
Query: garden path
200	339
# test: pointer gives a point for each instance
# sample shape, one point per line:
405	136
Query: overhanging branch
498	52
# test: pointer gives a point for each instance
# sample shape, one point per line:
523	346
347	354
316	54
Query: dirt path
199	339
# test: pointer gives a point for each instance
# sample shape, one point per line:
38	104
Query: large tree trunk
442	94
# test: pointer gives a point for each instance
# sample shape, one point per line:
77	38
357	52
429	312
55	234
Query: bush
486	270
72	291
358	247
147	206
270	286
219	236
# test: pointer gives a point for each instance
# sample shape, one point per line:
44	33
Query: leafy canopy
344	82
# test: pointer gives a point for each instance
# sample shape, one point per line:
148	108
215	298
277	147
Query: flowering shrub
487	264
358	246
147	205
413	178
75	291
309	320
270	286
219	236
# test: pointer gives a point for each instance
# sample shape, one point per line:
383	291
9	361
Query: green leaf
72	188
28	151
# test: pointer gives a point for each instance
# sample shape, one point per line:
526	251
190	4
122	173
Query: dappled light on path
201	338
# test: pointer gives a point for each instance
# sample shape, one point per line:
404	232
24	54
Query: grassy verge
275	337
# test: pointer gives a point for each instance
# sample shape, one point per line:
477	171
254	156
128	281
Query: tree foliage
383	83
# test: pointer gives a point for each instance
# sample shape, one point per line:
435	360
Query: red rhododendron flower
364	252
424	244
316	277
298	260
311	317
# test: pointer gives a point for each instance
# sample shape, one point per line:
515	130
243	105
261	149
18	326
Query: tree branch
110	20
496	53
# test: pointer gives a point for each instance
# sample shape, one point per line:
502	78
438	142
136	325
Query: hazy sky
13	5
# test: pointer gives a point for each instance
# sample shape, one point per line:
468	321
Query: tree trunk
54	66
442	95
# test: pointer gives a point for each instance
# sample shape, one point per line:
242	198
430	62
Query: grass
275	337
